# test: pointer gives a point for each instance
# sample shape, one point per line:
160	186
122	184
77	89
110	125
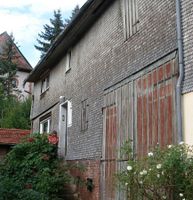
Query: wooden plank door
155	111
142	110
118	127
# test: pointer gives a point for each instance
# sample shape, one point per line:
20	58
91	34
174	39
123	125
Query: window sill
68	70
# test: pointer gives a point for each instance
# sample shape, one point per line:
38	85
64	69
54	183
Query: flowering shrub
32	171
162	174
53	139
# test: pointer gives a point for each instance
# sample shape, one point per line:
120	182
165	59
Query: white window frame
47	120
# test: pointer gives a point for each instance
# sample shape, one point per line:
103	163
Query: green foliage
75	11
7	67
14	113
50	33
32	171
163	174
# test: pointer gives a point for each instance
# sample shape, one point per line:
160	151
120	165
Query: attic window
45	84
68	61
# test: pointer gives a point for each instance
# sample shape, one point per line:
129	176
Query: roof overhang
88	14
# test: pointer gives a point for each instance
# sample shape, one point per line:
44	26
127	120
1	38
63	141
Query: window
14	83
68	61
45	123
84	115
131	20
45	84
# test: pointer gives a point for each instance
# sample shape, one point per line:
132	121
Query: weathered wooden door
143	110
118	127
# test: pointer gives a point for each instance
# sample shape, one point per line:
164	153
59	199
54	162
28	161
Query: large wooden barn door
118	127
143	110
155	113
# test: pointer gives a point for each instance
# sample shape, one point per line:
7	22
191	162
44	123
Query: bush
162	174
32	171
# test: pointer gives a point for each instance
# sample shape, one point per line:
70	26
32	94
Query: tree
75	11
50	33
7	66
15	114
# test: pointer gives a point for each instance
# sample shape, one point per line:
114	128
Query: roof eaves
33	76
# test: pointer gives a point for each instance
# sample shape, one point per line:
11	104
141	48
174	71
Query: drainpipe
181	71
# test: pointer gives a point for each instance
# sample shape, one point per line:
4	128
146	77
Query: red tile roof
20	60
12	136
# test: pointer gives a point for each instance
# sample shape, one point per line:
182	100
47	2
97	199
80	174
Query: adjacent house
113	75
20	90
187	68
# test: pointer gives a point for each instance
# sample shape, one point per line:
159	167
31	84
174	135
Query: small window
45	125
45	84
68	61
14	83
84	115
130	17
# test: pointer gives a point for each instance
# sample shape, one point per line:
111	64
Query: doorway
62	145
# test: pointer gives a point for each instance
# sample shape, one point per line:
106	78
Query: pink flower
53	139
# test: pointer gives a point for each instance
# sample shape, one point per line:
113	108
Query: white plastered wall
187	105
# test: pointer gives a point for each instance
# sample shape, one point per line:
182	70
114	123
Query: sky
25	19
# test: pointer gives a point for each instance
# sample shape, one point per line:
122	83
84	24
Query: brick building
111	75
20	90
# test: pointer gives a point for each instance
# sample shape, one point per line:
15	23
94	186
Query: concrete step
71	196
70	192
70	189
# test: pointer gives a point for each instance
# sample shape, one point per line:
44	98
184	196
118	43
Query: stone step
71	196
70	189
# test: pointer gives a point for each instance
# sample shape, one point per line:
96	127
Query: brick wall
91	170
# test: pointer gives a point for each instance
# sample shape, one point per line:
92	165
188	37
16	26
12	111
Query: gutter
181	71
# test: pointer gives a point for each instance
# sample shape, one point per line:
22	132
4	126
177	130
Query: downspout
181	71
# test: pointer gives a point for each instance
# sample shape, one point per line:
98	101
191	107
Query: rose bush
162	174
